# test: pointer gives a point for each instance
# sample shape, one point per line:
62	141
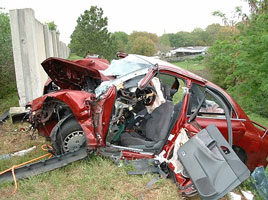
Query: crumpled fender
76	100
55	130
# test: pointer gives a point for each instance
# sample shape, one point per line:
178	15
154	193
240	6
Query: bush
240	64
7	72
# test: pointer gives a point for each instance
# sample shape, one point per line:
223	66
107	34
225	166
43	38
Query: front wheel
70	136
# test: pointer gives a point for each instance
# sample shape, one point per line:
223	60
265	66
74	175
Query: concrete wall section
54	43
17	44
41	54
48	41
32	43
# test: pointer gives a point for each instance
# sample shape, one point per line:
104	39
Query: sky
155	16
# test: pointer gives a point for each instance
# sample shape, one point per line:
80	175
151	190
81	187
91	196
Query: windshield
126	65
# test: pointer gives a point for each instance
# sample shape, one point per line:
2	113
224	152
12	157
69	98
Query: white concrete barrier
32	43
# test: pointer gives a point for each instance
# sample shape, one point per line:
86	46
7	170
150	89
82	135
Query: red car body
94	111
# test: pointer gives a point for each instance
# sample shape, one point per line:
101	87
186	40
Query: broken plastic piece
234	196
4	117
260	181
248	195
18	153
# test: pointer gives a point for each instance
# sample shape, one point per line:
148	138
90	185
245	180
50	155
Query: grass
259	119
191	65
10	100
73	56
92	178
196	67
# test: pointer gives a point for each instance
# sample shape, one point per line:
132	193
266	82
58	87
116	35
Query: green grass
91	178
73	56
10	100
191	65
259	119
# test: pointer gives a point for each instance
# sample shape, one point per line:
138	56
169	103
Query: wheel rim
74	141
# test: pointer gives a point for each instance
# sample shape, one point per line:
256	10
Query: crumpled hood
71	74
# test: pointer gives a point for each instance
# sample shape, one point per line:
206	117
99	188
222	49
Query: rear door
212	112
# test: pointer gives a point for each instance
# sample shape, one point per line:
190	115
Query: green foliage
73	56
150	36
143	46
198	37
53	27
181	39
9	99
143	43
121	39
240	63
164	44
7	72
91	35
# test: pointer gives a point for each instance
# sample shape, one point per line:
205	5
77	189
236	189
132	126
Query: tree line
239	63
91	36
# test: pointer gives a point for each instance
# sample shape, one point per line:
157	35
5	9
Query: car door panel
213	170
238	126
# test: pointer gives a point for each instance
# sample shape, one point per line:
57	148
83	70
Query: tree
91	35
212	31
164	44
132	39
121	39
53	27
143	45
200	37
239	62
7	71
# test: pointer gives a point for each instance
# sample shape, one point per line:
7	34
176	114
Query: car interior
143	119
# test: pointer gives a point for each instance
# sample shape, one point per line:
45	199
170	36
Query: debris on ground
260	181
18	153
248	195
234	196
4	117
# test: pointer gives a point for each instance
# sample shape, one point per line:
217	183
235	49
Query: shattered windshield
126	65
124	69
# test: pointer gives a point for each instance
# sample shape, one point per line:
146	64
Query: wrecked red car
140	108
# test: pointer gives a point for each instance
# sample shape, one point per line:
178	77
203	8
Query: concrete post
32	43
54	41
25	54
58	45
41	52
48	41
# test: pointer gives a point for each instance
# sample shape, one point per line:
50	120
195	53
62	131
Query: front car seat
154	132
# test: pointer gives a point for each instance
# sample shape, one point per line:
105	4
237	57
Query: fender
56	128
79	104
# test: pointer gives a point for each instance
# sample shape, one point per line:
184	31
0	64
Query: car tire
70	136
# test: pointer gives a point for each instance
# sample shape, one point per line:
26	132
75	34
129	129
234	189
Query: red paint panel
129	155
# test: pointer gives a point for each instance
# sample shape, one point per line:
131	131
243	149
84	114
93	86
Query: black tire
70	136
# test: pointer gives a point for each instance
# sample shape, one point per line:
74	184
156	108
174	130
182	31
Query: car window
174	84
211	106
126	65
